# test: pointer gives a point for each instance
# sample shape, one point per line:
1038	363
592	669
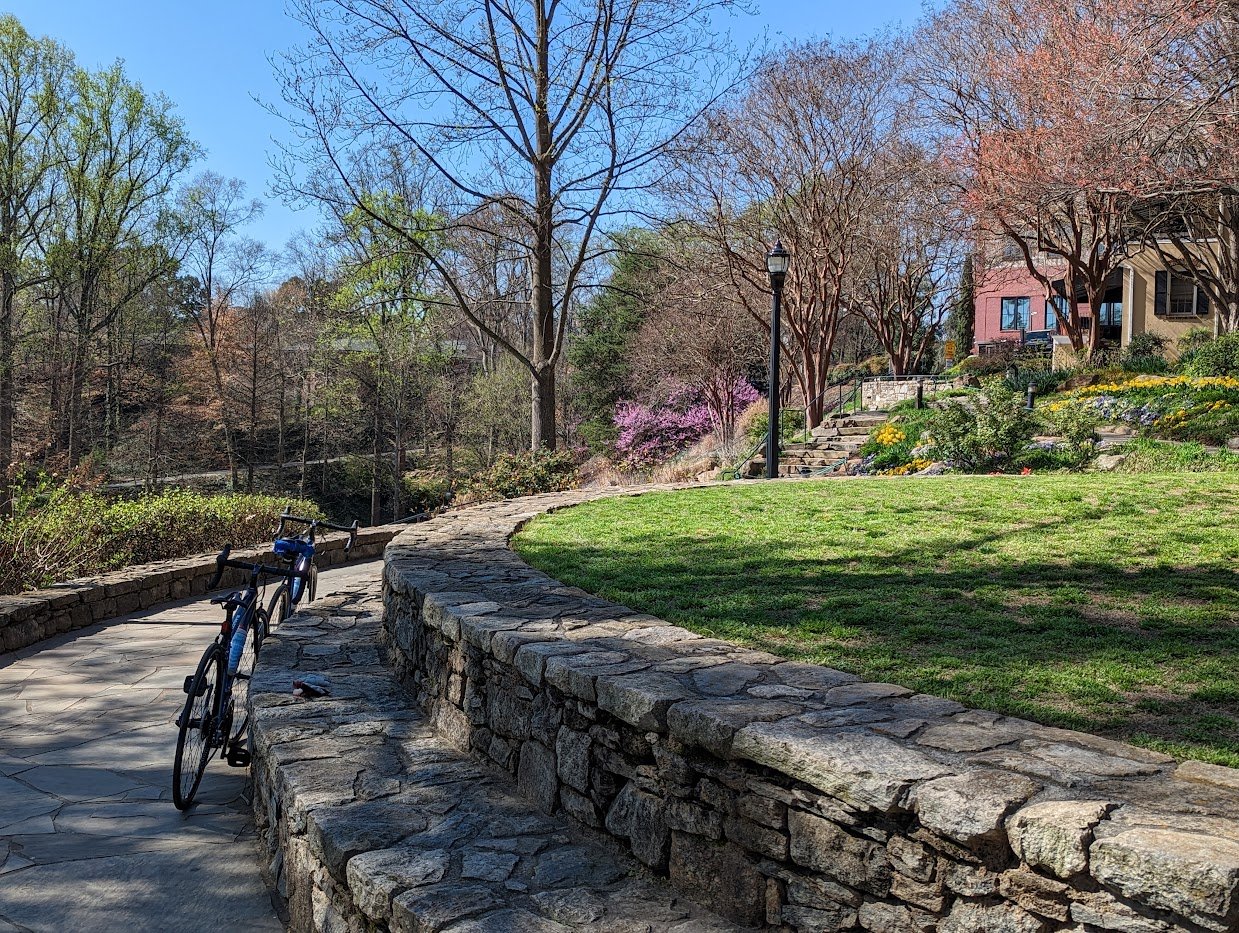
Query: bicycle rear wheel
196	738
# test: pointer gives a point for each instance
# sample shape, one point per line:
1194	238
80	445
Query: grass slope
1103	603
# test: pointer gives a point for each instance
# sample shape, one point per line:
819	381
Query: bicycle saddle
232	600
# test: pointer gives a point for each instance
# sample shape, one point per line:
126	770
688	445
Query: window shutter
1161	294
1202	302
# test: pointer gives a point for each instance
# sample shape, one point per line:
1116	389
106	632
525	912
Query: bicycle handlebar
316	523
256	570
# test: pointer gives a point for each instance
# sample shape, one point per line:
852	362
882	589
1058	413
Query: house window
1015	313
1176	295
1111	314
1051	319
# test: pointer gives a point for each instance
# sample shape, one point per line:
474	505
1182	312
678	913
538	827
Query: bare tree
913	250
213	211
1049	146
793	159
552	112
1185	110
700	338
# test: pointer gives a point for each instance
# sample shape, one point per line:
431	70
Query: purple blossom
650	434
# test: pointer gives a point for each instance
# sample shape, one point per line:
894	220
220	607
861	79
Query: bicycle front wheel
196	739
257	634
241	685
277	609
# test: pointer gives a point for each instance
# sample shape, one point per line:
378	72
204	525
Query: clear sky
211	58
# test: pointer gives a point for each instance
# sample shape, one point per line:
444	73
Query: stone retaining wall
37	614
789	796
881	394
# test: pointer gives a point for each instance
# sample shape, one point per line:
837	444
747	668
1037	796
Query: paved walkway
89	839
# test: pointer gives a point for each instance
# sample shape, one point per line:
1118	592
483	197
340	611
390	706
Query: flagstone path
89	838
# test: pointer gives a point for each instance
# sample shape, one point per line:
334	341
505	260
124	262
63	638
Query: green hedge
58	534
524	474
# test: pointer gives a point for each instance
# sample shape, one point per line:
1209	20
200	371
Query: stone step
828	446
859	419
757	468
373	821
837	431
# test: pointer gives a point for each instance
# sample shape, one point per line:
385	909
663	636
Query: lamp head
777	261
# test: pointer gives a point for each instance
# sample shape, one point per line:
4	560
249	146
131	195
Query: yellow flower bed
1166	382
888	435
914	467
1176	418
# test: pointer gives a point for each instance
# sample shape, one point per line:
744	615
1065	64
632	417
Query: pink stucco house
1143	296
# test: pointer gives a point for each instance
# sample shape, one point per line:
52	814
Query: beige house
1162	301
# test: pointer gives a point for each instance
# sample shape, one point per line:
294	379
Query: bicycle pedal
239	757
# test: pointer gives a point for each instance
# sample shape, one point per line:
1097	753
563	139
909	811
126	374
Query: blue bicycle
297	551
206	721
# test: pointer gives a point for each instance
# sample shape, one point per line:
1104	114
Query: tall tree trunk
322	476
1228	234
253	433
542	422
543	408
217	373
449	455
8	292
281	391
152	468
305	441
77	387
376	465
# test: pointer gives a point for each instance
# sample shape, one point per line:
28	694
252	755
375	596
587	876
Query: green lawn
1097	602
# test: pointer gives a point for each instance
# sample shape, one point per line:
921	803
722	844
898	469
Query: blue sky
211	59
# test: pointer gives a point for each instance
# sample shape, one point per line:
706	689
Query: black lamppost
777	261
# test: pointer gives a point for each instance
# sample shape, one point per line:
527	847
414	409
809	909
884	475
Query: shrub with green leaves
57	533
994	428
525	474
953	435
1076	425
1218	357
425	493
1145	353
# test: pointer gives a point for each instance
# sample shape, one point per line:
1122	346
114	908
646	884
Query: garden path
89	838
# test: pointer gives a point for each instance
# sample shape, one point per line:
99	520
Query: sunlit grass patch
1106	603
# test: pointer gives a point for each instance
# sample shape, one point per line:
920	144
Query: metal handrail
841	407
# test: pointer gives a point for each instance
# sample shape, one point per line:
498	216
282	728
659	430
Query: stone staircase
836	439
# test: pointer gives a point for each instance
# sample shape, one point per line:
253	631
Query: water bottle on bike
240	630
